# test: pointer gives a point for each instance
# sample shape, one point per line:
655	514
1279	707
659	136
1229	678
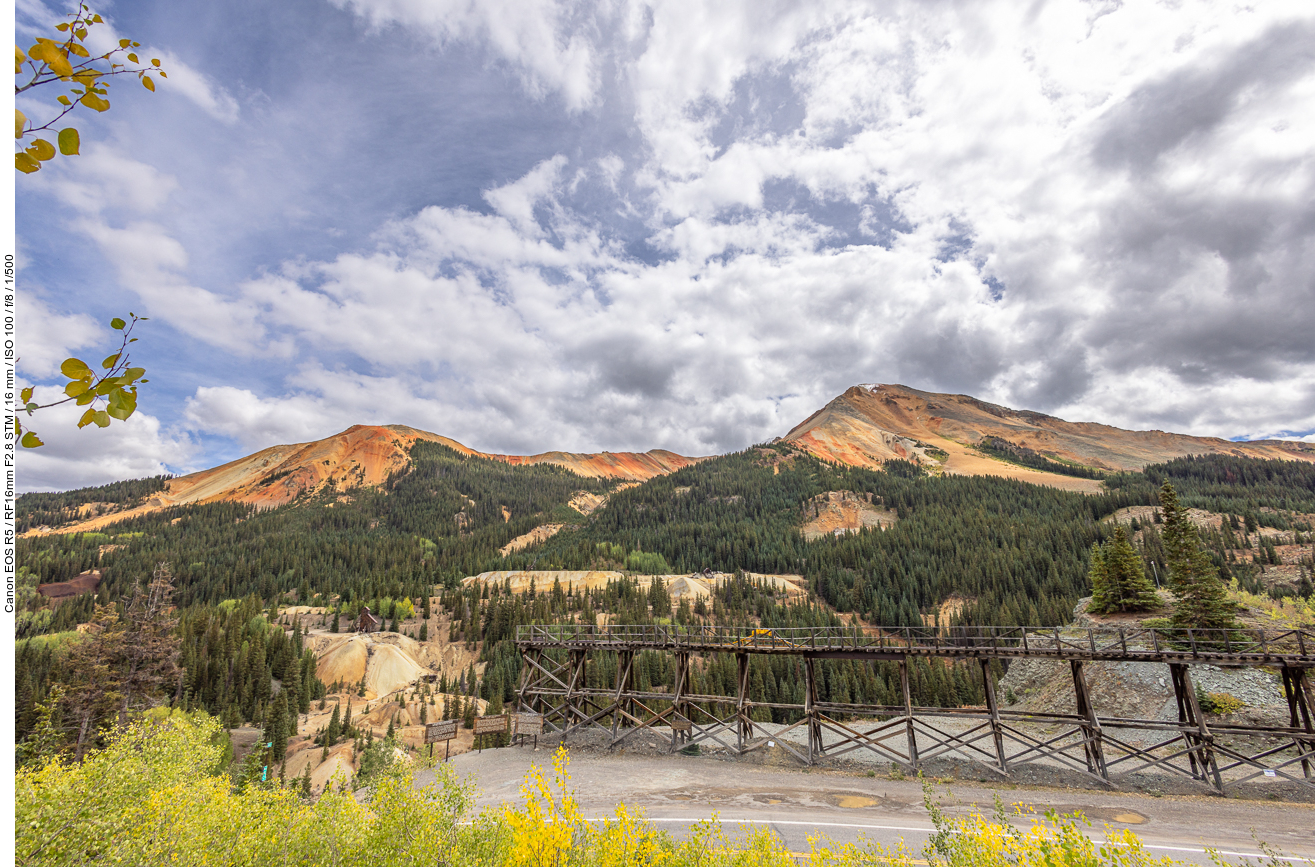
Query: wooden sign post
441	731
526	724
491	725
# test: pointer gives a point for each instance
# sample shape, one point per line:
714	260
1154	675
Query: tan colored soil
534	537
842	512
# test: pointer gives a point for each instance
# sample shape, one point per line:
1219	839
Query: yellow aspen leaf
92	101
31	441
124	43
69	142
26	164
77	49
42	150
163	74
97	19
19	57
63	100
27	394
57	60
148	84
87	418
76	388
110	361
20	121
62	28
132	57
155	61
75	368
122	405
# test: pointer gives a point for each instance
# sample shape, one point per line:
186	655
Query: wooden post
678	695
526	678
1091	731
997	733
742	724
909	731
624	661
572	710
1189	714
810	710
1297	690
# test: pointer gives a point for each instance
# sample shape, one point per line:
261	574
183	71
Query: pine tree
334	730
1118	578
1200	600
276	727
468	721
1101	592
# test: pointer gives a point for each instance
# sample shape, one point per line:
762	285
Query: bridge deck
1289	647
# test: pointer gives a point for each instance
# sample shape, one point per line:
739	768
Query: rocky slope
360	455
870	424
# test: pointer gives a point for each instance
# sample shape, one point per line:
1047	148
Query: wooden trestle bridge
553	683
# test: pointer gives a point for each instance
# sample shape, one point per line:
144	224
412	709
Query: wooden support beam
815	745
1297	690
1091	726
993	709
910	732
743	727
678	702
1195	730
624	662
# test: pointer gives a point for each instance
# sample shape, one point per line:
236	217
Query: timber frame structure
555	660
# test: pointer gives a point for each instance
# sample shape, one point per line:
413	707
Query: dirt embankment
838	512
694	585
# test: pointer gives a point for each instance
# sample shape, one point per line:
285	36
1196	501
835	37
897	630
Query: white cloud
74	458
49	337
1098	212
551	42
37	19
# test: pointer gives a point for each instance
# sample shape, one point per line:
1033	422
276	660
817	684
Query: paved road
676	791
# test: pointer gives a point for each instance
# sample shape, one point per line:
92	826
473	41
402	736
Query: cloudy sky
682	224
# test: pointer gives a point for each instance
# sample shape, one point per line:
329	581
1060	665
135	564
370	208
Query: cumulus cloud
50	337
1100	212
73	458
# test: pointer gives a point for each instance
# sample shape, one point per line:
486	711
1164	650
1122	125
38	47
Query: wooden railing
1293	646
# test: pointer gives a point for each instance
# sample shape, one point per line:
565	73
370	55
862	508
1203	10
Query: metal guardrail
1291	646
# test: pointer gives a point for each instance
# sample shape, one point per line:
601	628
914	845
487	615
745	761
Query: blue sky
625	225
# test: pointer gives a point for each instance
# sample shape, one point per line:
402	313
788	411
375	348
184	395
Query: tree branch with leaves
66	59
111	393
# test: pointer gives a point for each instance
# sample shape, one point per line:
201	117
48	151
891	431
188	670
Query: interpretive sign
491	725
680	725
441	731
527	723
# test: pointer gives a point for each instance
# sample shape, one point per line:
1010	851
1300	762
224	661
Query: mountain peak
872	423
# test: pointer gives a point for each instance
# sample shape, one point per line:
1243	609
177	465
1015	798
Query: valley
888	508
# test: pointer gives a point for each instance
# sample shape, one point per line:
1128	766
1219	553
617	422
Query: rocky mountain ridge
866	426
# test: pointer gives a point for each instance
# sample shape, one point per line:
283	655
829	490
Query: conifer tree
1200	600
276	727
334	731
1118	578
468	721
